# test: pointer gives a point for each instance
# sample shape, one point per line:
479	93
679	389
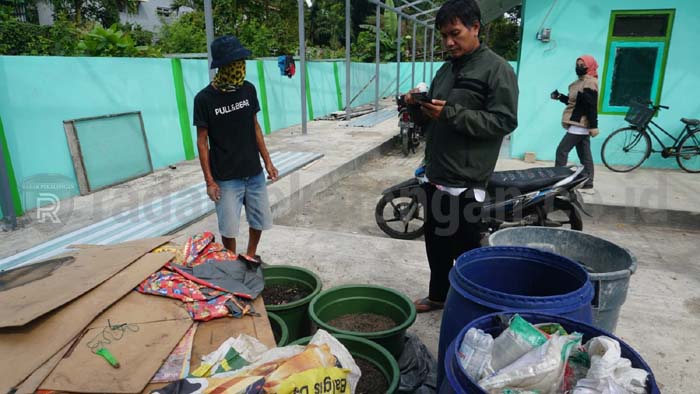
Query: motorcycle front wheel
400	216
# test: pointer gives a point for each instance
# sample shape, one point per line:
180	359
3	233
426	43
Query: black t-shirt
230	119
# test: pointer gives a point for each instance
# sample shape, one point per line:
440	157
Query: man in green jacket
473	105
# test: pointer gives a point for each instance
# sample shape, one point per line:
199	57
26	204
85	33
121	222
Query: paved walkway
645	196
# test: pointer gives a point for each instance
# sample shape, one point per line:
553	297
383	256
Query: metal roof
155	218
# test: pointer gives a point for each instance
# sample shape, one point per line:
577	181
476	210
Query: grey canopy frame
420	12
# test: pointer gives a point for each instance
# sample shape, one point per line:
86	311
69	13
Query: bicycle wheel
689	152
625	149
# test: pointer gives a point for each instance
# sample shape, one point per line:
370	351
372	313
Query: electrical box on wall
544	35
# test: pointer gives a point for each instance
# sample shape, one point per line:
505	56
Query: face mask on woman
581	70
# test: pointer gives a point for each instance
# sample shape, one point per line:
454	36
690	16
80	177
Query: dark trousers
583	149
451	228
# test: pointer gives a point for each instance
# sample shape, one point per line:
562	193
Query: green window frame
660	43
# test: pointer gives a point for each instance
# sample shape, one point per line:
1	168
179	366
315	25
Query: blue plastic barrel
457	381
503	278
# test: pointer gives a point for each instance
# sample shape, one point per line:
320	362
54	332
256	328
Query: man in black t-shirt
230	144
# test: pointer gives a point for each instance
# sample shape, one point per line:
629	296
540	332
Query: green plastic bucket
294	314
369	351
279	328
353	299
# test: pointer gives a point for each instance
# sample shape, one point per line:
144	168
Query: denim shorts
250	192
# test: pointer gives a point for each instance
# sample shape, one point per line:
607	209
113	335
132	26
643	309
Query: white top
578	130
479	194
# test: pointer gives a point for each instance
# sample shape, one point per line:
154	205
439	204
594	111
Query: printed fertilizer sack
324	366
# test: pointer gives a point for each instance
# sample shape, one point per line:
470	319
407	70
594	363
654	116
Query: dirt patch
283	294
372	380
362	322
693	305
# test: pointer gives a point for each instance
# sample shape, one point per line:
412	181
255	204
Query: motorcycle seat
528	180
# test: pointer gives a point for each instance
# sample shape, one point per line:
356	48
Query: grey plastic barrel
609	265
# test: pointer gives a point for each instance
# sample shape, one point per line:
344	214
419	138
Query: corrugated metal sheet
373	118
161	216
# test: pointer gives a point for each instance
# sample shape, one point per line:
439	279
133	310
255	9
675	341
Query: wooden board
25	349
210	335
156	326
31	385
26	295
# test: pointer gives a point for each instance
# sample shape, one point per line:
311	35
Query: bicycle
627	148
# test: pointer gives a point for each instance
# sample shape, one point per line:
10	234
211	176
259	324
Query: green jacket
462	146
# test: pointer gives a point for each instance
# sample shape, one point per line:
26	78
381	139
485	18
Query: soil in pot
362	322
372	380
284	294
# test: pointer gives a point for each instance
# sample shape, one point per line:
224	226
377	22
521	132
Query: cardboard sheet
34	380
154	326
25	349
34	290
214	332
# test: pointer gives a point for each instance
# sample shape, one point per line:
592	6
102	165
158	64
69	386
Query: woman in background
580	118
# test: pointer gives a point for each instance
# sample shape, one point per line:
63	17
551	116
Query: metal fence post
302	72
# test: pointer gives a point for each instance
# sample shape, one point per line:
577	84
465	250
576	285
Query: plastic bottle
475	353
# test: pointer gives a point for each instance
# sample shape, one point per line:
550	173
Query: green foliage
365	46
502	35
21	38
140	36
390	20
64	38
82	12
260	39
185	35
327	23
111	42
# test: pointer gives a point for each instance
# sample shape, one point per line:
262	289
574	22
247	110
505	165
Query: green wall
581	27
38	93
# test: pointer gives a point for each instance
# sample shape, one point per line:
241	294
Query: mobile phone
421	97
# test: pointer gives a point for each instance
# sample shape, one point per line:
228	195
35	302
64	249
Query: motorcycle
543	196
409	131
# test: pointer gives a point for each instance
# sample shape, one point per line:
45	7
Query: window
635	58
164	11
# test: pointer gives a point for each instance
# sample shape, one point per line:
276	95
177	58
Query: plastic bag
599	386
608	365
418	367
519	338
541	369
474	353
324	366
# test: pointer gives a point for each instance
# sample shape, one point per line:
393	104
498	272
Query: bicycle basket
639	114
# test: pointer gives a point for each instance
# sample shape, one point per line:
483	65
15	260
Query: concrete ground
344	148
324	216
334	234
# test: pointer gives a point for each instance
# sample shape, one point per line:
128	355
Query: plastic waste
609	372
418	367
519	338
475	353
540	370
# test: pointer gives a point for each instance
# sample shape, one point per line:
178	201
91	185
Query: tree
185	35
111	42
81	12
327	23
502	35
